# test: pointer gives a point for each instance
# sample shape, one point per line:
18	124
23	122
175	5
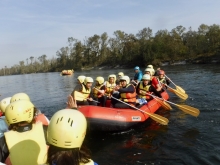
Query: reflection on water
186	140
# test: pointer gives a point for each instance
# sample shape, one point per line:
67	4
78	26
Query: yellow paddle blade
180	89
189	110
181	95
78	96
158	118
164	104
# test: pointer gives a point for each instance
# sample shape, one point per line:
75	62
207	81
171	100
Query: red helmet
162	72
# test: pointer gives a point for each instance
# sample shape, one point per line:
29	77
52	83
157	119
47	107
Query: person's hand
101	92
90	99
71	103
117	88
142	92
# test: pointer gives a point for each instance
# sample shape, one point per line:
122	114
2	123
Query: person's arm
140	75
167	81
156	84
3	149
71	103
152	89
129	89
77	88
137	88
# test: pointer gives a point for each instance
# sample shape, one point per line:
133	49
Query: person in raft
152	68
80	80
86	90
68	149
126	93
110	85
25	139
154	81
138	75
118	79
162	79
3	126
145	87
99	91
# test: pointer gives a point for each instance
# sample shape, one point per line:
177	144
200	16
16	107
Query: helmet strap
24	128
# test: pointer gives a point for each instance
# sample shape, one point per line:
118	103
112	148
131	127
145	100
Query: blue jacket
3	126
138	76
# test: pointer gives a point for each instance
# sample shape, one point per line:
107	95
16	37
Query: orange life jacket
128	97
42	118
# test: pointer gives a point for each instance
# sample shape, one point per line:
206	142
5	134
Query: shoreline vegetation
176	47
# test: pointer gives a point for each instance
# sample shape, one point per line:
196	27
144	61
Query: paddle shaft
170	79
187	109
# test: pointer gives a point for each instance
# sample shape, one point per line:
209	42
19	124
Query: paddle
155	117
80	97
186	108
162	103
183	96
177	87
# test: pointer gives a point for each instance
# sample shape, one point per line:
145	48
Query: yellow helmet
112	75
67	129
120	74
100	80
18	111
19	96
88	79
126	78
81	78
4	103
146	77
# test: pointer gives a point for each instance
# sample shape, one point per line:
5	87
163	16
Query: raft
108	119
67	72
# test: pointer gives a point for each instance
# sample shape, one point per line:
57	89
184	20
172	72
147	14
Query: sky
36	27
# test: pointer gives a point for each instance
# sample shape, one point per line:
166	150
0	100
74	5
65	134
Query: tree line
126	50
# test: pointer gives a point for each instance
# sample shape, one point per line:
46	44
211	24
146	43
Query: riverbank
215	59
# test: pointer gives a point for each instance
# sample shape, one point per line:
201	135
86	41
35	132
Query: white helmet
120	74
81	78
126	78
4	103
88	79
100	80
146	77
150	66
19	96
149	70
112	75
18	111
67	129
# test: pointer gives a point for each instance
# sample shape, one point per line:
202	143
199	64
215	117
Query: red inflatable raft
114	119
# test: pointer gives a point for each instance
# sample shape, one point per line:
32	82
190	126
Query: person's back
25	140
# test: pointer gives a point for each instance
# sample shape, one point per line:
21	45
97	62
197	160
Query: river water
186	140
